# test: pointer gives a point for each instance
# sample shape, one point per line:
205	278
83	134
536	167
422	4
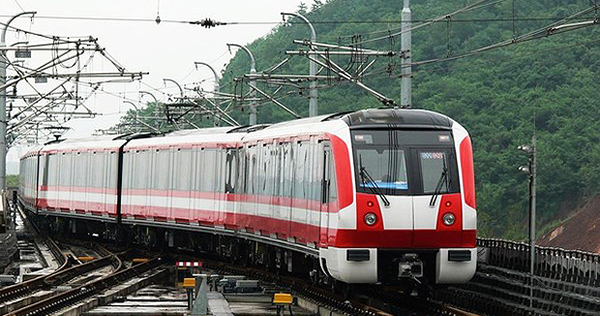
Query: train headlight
449	219
370	219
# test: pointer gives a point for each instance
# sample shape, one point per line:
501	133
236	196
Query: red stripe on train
468	173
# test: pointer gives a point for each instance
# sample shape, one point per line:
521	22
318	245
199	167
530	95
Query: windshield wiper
438	187
364	175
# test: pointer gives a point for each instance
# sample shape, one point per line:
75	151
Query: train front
415	213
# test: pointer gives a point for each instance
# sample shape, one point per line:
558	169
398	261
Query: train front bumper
372	265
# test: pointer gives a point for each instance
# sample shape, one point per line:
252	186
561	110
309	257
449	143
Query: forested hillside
496	95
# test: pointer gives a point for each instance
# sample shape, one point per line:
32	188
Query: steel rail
70	297
24	288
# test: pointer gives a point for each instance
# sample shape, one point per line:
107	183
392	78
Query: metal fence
566	265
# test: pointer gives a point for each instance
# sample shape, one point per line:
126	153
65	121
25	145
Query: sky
165	50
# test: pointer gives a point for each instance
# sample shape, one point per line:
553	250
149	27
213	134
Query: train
370	196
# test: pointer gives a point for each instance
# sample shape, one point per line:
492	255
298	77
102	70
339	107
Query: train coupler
410	266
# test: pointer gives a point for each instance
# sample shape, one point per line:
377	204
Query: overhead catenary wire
274	22
537	34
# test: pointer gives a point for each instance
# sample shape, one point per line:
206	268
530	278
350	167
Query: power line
537	34
146	20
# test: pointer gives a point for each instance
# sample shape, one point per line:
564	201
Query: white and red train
370	196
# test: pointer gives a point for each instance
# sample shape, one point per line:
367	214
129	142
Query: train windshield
383	168
400	162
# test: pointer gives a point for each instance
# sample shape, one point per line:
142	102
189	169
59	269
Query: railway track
70	269
65	299
368	300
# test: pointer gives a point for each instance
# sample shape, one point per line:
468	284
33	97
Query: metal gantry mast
313	106
3	120
252	119
406	43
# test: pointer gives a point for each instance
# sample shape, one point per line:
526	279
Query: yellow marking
282	298
189	282
139	260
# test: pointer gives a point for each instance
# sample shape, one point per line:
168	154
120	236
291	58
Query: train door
199	191
252	180
287	187
172	185
264	188
277	204
42	189
183	170
325	176
231	176
220	198
314	190
159	192
274	173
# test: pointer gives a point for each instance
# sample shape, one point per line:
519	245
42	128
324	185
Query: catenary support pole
406	42
217	88
313	106
252	118
156	108
3	120
532	216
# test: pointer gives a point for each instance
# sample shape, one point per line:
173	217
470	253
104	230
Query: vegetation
549	86
12	181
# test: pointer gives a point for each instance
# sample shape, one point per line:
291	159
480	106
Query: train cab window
404	162
438	170
382	167
434	166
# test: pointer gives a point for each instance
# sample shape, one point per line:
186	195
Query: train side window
272	170
263	171
182	168
98	170
332	187
280	172
231	170
45	173
288	167
162	169
112	166
126	170
300	174
316	173
207	170
244	156
54	170
66	169
80	170
199	172
252	176
141	164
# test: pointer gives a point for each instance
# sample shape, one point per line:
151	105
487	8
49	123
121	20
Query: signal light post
531	170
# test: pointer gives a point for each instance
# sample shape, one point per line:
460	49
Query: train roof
409	118
401	118
368	118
